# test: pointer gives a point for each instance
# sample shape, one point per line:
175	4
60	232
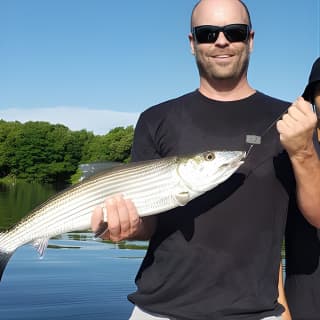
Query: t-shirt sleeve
144	147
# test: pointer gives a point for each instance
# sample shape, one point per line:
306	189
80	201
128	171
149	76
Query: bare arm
282	297
124	222
296	131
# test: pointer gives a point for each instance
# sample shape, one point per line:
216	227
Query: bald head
220	12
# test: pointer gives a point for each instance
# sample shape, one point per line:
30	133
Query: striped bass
154	186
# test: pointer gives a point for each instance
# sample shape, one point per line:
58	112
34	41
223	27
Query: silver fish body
153	186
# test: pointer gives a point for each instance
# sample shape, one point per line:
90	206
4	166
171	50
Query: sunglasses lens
236	33
206	34
233	33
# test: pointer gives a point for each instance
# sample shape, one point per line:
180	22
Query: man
218	257
302	285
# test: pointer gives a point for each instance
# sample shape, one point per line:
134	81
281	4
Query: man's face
221	60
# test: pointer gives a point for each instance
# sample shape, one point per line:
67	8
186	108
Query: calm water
78	278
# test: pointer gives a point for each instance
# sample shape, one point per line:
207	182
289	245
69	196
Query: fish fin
182	198
102	229
4	258
41	245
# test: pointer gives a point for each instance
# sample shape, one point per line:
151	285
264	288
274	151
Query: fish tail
5	254
4	258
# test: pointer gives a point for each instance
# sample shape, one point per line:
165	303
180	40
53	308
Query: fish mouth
239	156
237	161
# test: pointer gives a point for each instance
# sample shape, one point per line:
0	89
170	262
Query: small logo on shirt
253	139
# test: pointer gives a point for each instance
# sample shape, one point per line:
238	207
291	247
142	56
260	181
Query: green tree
9	133
40	151
113	146
119	143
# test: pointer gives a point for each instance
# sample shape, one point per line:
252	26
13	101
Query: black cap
313	79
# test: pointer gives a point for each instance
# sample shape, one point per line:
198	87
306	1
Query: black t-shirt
302	284
218	257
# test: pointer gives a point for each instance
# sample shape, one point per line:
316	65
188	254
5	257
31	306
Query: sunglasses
232	32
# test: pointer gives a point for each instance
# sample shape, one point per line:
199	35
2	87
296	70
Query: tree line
49	153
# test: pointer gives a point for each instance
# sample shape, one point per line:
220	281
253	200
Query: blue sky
96	64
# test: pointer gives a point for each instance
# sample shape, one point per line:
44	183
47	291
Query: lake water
78	278
75	280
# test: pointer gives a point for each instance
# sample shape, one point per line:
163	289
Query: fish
154	186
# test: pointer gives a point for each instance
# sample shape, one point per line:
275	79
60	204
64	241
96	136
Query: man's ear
191	43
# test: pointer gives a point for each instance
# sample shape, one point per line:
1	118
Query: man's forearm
307	174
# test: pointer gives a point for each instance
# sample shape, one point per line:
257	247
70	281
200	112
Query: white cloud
98	121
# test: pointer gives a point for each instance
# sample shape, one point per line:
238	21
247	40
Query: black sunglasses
233	33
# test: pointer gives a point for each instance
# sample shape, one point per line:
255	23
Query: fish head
204	171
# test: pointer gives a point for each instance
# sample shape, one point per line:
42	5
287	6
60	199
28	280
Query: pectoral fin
41	245
182	198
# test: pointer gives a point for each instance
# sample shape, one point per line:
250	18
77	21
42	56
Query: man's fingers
116	220
96	218
304	106
289	121
124	218
113	219
135	220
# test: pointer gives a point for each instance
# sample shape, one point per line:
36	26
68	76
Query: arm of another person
296	131
282	297
124	222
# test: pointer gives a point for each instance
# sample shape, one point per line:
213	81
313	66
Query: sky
97	64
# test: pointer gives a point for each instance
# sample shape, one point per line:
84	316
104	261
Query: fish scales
154	186
74	204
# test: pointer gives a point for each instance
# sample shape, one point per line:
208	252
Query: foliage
114	146
119	141
43	152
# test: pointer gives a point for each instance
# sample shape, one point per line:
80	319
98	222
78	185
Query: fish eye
209	156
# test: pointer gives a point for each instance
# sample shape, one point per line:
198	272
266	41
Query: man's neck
225	91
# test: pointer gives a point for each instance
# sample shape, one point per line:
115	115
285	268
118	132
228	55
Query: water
75	280
78	278
17	199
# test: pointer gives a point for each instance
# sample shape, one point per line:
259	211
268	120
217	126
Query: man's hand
296	129
122	219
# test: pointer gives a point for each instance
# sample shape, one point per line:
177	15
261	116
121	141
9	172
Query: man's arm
296	131
282	297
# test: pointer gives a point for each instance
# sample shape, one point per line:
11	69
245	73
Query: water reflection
18	199
76	279
53	246
88	236
4	187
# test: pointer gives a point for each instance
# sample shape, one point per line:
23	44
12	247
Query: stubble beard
223	71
